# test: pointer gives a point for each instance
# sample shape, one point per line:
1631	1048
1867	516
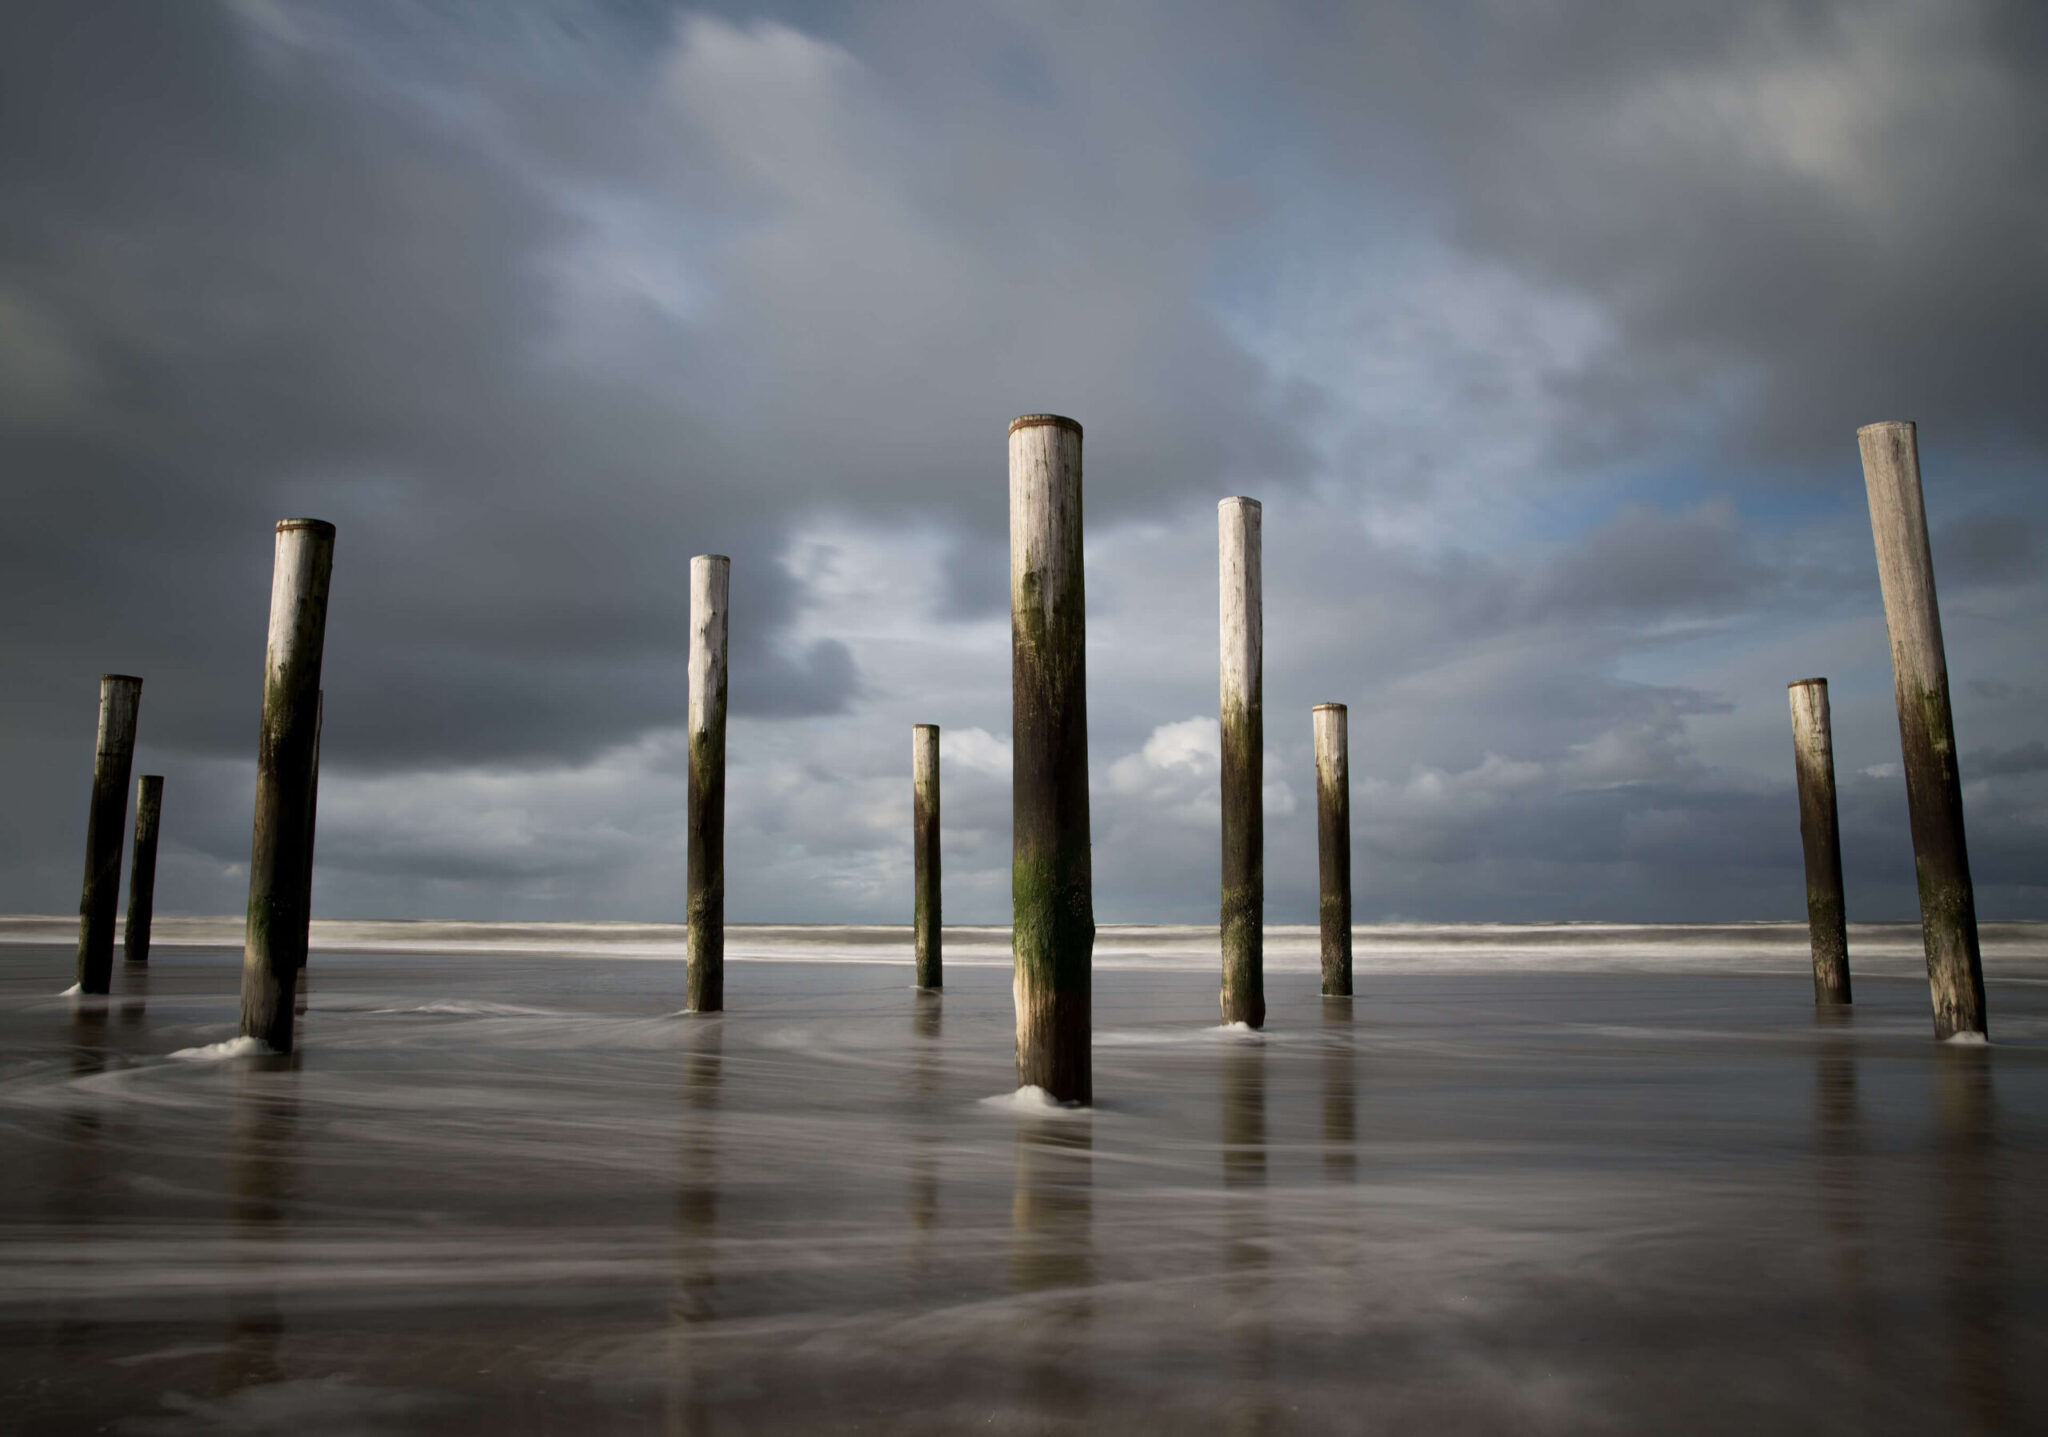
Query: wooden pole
924	838
1244	754
710	583
100	898
274	948
1927	738
149	807
1813	754
1051	885
1333	843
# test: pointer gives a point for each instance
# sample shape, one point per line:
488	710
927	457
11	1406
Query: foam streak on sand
243	1047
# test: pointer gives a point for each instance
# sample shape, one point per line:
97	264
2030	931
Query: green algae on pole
274	949
98	900
149	807
1333	844
924	841
1244	750
1813	754
710	583
1927	736
1051	885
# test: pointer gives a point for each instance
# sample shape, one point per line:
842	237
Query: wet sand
499	1192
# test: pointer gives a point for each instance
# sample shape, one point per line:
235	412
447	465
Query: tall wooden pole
710	583
274	948
1927	737
1333	843
149	807
1244	754
1051	886
105	824
924	839
1813	754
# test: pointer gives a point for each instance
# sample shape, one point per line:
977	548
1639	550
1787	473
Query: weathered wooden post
710	582
1813	754
1927	737
274	948
1051	887
313	798
1244	754
98	900
1333	843
924	838
149	807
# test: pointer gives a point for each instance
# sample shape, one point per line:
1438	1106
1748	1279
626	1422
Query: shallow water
507	1193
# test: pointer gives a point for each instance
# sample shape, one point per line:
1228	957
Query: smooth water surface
509	1193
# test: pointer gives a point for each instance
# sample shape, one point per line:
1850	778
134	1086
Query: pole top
1238	499
1883	424
1037	421
317	526
710	559
932	726
1334	708
1805	683
120	679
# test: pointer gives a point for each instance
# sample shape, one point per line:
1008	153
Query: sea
1563	1178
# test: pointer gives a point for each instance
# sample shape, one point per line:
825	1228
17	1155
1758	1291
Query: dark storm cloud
1810	216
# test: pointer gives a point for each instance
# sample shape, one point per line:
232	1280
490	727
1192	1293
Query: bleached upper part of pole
1905	560
710	581
1045	507
1238	522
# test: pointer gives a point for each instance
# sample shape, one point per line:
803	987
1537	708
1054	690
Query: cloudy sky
1542	331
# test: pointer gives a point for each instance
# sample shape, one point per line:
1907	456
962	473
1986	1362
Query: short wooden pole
274	948
710	584
1333	843
924	839
1051	885
106	821
1927	739
1813	754
149	807
1244	752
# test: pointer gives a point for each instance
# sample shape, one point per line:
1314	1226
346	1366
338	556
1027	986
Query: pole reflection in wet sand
1340	1094
1052	1261
262	1190
694	1306
1968	1237
1844	1180
926	1024
1247	1283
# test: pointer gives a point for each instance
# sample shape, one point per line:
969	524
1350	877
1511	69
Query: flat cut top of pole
319	526
716	558
1034	421
1338	707
1802	683
1239	499
1884	424
932	726
119	679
